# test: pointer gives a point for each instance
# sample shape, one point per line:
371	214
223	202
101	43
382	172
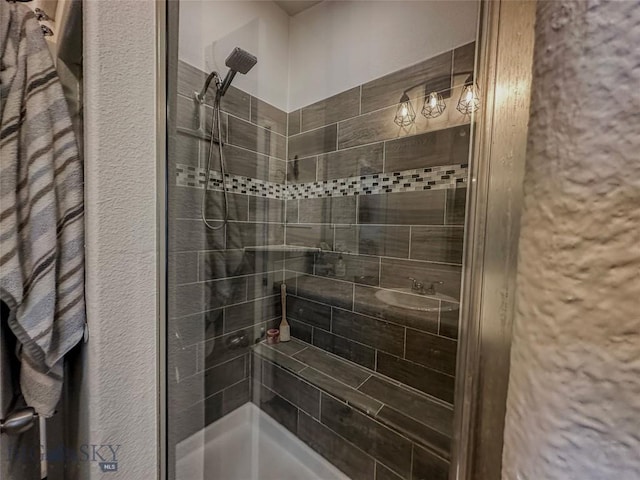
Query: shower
239	61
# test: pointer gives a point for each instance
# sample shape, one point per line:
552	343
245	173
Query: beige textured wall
118	383
574	393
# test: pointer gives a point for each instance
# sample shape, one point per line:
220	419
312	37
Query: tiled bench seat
334	405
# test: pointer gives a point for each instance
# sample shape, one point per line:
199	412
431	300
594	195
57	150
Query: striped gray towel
41	209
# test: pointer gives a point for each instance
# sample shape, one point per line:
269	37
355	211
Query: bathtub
247	444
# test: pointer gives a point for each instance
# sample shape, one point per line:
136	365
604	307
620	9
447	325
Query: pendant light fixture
405	114
433	106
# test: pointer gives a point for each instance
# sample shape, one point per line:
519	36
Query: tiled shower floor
249	445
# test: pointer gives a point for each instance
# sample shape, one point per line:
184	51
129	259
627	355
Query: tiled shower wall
223	293
413	227
221	289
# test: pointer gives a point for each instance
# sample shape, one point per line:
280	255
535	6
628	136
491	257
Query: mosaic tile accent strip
432	178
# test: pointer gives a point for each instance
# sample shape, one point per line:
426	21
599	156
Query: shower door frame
491	237
494	203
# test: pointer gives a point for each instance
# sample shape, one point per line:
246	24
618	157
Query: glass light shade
433	105
469	100
405	114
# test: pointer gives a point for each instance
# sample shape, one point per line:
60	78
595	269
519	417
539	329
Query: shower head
238	61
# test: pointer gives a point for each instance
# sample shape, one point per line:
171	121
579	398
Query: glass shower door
332	175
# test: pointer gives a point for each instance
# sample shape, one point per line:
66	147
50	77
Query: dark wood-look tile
417	406
424	379
190	80
183	268
290	387
190	114
301	330
292	211
266	115
235	101
313	142
221	349
317	236
328	210
238	206
213	408
294	122
224	375
428	466
187	150
302	170
186	392
437	244
449	321
367	302
368	331
346	238
289	348
247	314
456	206
190	235
264	284
382	443
282	411
199	297
351	162
184	202
257	139
435	73
185	423
394	273
416	431
334	367
344	455
263	209
344	348
277	170
312	313
299	262
331	110
338	389
221	264
332	292
406	208
463	60
432	351
383	473
374	127
245	163
279	358
442	147
236	396
199	327
384	241
183	360
359	269
241	234
187	113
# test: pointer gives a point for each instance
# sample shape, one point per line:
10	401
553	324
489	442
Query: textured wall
118	394
574	395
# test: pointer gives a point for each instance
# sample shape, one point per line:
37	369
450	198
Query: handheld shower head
238	61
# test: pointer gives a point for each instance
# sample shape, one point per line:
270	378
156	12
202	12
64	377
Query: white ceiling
293	7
